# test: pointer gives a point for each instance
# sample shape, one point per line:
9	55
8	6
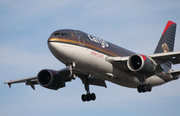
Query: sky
25	26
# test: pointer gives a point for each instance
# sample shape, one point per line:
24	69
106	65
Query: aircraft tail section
166	42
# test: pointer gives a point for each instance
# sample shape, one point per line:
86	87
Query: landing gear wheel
144	88
139	88
83	97
149	88
93	96
88	97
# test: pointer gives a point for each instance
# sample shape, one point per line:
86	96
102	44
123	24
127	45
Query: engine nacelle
50	79
141	64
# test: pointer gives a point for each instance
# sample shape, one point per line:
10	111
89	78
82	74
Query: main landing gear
85	79
144	88
89	96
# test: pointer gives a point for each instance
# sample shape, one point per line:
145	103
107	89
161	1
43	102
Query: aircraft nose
49	40
51	45
55	46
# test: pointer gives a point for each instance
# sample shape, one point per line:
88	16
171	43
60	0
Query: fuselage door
80	38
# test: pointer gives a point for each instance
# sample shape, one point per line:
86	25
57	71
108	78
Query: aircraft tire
88	97
144	88
83	97
149	88
93	96
139	88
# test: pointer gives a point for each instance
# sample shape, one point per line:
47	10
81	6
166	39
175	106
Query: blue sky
25	26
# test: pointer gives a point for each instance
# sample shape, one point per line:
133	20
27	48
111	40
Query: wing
84	76
175	74
64	73
29	81
158	58
119	62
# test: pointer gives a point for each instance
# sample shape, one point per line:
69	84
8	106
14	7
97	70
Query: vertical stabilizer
166	42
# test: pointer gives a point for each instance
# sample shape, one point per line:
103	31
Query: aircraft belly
155	81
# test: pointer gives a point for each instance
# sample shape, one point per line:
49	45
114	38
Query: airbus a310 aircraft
95	61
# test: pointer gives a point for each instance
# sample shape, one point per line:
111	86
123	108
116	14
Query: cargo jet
95	61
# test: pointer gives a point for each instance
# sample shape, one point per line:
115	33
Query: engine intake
141	64
50	79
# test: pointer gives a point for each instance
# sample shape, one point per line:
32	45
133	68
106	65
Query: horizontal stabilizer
175	73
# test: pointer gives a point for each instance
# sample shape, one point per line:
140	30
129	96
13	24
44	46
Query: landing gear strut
71	66
89	96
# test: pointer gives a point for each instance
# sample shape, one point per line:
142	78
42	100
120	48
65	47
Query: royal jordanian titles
95	61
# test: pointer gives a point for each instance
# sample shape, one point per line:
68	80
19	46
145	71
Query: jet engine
141	64
50	79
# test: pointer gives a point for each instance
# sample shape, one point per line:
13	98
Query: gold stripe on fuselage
77	42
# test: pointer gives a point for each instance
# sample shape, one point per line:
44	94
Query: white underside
94	63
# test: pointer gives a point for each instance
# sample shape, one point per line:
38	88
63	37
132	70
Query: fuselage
89	54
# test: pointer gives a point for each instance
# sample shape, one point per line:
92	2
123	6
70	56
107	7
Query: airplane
95	61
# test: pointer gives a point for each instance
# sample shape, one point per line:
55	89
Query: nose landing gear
144	87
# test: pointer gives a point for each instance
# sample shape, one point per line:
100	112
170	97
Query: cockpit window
61	34
65	35
56	34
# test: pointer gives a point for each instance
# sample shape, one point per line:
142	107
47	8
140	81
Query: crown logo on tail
165	47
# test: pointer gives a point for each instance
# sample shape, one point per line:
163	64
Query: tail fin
166	42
